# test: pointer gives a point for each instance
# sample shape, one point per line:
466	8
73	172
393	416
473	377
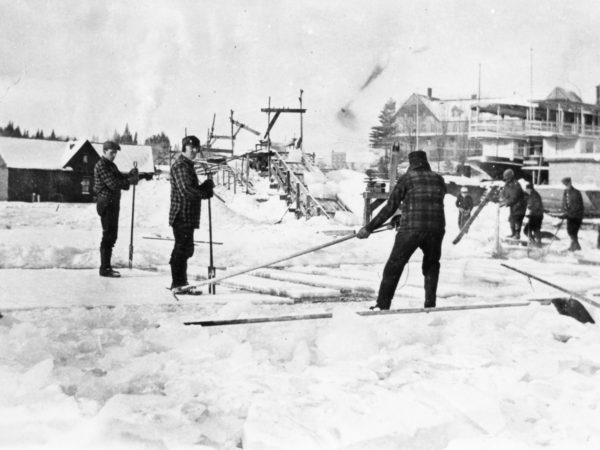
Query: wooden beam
283	110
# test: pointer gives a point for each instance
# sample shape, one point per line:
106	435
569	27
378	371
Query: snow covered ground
88	362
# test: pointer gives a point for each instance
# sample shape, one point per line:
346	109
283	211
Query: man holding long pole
420	194
184	214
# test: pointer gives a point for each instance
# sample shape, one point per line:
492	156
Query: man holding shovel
420	195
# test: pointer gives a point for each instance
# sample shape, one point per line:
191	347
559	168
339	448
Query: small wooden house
56	171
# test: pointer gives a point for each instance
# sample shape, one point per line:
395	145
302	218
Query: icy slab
345	286
279	288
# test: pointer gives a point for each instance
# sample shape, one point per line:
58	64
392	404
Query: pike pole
132	217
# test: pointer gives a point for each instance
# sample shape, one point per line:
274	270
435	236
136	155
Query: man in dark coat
535	215
572	205
184	214
108	183
514	198
464	203
420	195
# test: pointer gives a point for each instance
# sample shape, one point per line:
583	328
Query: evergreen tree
42	134
52	136
17	132
383	135
116	137
135	141
161	146
9	129
126	136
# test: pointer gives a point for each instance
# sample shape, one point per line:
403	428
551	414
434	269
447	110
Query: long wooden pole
555	286
216	323
171	239
285	258
132	217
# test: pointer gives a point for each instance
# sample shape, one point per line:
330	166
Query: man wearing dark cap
514	198
572	205
535	215
184	214
420	195
108	183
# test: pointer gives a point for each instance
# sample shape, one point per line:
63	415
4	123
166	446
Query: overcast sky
86	68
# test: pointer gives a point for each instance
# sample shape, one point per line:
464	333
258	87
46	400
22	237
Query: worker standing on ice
184	213
464	203
572	205
420	194
108	183
514	198
535	215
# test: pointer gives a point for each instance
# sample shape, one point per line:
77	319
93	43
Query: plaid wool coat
108	181
186	194
420	195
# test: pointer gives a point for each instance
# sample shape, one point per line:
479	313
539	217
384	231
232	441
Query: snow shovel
572	306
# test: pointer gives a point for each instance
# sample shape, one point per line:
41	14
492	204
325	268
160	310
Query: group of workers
419	193
527	204
184	211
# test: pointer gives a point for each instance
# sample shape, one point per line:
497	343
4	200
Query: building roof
142	154
559	93
21	153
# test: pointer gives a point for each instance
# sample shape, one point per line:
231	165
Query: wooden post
247	174
298	199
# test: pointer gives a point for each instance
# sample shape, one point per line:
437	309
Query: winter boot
105	269
431	282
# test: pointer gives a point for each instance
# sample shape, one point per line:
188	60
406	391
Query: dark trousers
405	245
109	217
573	226
463	218
516	222
534	229
182	251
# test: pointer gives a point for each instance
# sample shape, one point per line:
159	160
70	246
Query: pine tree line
10	130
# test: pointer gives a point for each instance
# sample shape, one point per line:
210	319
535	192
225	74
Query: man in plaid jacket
184	214
420	195
108	183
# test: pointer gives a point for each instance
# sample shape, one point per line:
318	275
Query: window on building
589	147
85	185
85	159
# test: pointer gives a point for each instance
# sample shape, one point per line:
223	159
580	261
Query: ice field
90	362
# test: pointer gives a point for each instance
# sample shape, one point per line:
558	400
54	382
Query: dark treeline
159	142
10	130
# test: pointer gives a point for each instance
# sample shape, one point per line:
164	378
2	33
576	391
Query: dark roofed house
34	169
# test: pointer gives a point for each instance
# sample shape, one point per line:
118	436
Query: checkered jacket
420	195
572	203
186	194
108	181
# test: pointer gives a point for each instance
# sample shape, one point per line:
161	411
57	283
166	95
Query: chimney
598	95
429	92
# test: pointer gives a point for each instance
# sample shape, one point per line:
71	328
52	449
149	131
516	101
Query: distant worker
572	205
464	203
108	183
420	194
535	215
184	213
514	198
